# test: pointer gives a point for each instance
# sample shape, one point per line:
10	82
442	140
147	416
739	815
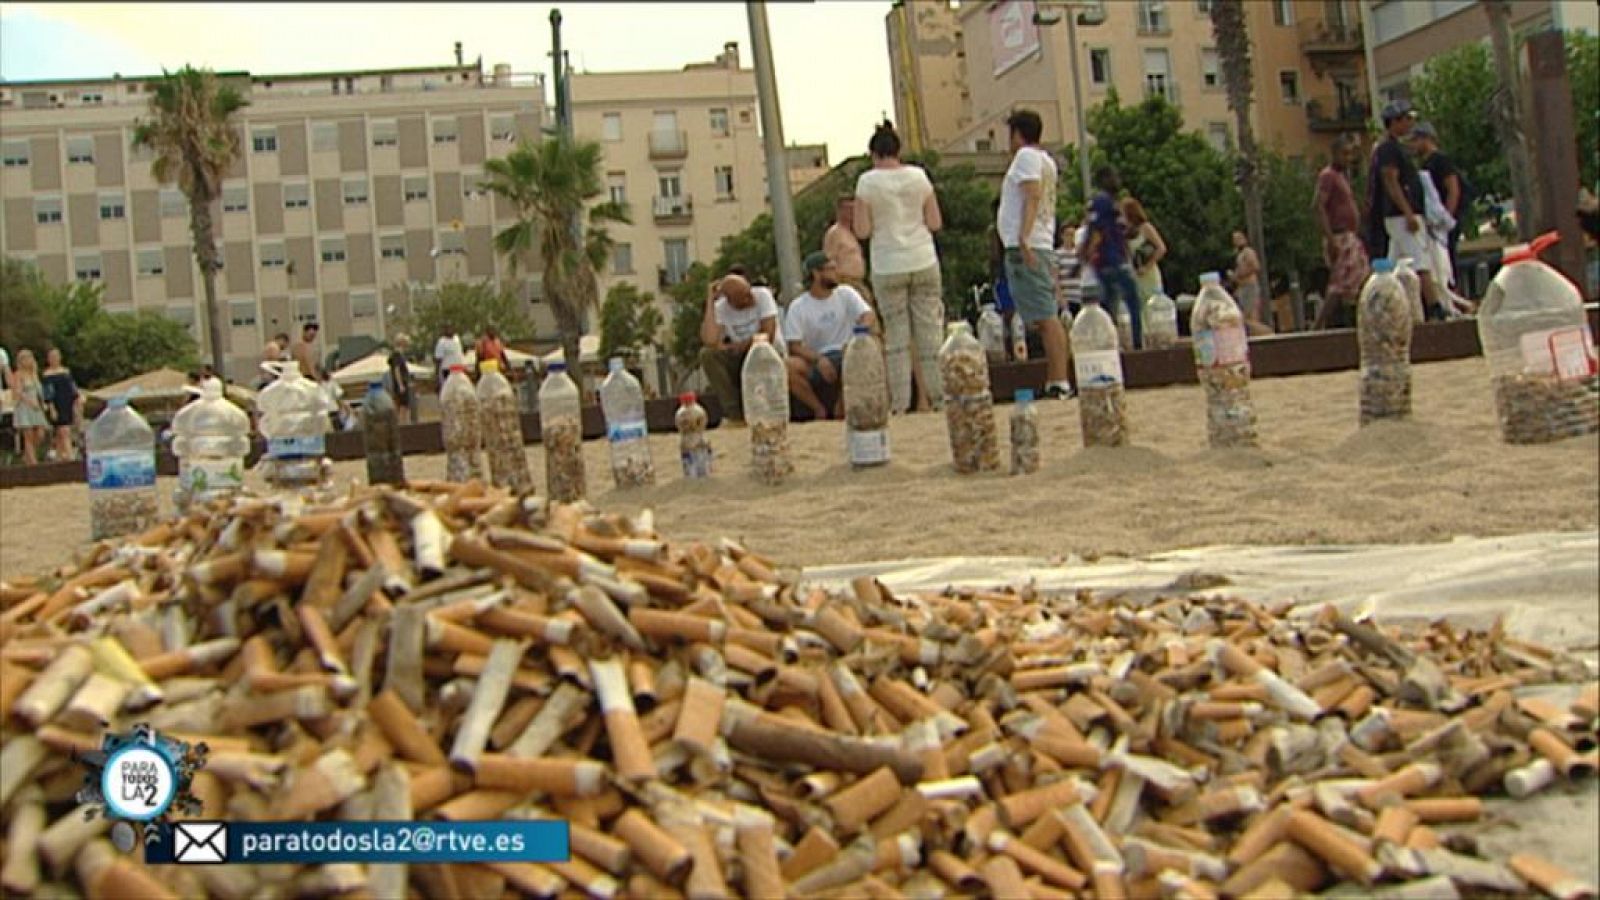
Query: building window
392	246
611	126
173	203
502	128
1100	66
80	150
1158	75
452	243
1210	69
183	315
272	255
14	153
1289	84
152	262
112	207
1217	133
444	131
1283	12
363	305
296	195
669	184
46	210
744	116
676	253
1153	17
385	133
416	188
723	176
385	83
236	198
305	309
719	122
622	259
355	192
332	249
94	98
617	187
324	136
473	185
86	266
242	313
1203	7
264	140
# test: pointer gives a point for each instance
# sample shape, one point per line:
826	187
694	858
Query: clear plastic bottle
1019	339
1124	328
1024	434
122	472
501	424
627	431
1412	283
1160	322
1222	362
178	439
1097	363
765	382
693	446
1540	350
1383	332
866	400
992	334
461	421
213	444
561	432
380	426
968	403
294	421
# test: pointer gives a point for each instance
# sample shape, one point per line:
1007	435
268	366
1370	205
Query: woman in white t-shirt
896	208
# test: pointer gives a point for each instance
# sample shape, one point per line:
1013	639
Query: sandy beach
1316	479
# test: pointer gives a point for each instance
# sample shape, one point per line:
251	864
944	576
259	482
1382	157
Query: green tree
1583	71
462	306
1293	239
1233	52
1455	91
195	140
550	186
73	307
24	307
629	321
688	311
114	346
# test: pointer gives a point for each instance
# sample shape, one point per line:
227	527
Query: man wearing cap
819	324
1397	199
735	313
1425	141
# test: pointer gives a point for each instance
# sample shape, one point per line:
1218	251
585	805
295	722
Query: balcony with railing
1330	37
669	209
1323	116
1156	87
668	144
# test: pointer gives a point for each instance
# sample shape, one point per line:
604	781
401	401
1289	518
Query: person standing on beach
1340	220
1106	251
1026	221
842	247
29	417
1397	200
65	402
304	351
1246	278
447	352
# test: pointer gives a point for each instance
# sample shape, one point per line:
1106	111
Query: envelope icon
200	842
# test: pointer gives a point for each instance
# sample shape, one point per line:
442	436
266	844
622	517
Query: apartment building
807	163
1408	33
683	151
350	186
1306	59
928	68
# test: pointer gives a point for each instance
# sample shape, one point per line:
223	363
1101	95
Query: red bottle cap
1517	253
686	398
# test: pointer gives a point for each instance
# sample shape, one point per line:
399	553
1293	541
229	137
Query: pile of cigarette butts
711	728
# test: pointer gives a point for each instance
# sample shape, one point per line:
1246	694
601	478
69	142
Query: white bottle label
1101	369
629	430
121	469
297	447
697	463
1567	353
867	448
1221	347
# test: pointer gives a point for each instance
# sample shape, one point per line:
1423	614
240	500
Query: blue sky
831	57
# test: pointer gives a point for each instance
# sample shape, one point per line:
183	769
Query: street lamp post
1073	17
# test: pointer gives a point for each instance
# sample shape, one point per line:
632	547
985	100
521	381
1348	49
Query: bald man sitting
735	313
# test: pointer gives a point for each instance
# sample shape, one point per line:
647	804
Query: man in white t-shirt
1027	225
735	313
819	324
447	352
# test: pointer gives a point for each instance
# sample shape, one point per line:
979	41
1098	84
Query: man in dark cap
1446	178
1397	198
818	325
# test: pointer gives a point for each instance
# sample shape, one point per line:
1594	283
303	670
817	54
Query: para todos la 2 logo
139	777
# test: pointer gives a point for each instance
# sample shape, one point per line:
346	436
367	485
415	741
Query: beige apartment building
807	163
683	151
351	185
928	68
1306	59
1408	33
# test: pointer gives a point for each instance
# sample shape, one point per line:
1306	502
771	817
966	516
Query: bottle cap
760	338
1517	253
490	365
557	367
1023	395
686	398
1210	278
1383	265
375	384
614	364
987	306
860	330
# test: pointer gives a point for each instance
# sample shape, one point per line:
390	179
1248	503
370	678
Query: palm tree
1233	52
195	140
549	187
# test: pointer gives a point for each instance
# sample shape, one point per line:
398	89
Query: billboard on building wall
1012	35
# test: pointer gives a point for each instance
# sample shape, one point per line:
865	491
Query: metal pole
1077	102
558	69
783	227
1368	41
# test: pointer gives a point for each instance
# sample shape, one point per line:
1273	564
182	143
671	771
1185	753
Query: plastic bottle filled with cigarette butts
627	432
693	447
502	430
968	404
178	436
1160	322
561	432
866	400
1383	331
765	383
122	472
380	429
1024	433
211	442
1124	322
992	334
461	421
1407	275
1540	350
1097	364
294	420
1222	362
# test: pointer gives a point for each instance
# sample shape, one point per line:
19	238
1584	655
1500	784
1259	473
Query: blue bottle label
632	430
697	463
296	447
117	470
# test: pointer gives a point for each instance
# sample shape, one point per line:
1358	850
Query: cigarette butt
1413	779
331	780
1559	753
434	785
488	699
1394	825
1042	864
1423	838
839	630
50	691
96	703
758	861
1531	778
193	658
663	625
1587	706
1108	882
857	804
1550	878
60	842
705	880
533	878
1321	838
1288	862
813	850
585	877
550	722
1446	809
629	752
320	636
514	720
1263	833
477	804
834	712
19	757
403	731
20	875
897	852
1018	810
1175	885
1074	754
14	679
906	814
700	717
546	775
642	682
1044	832
1356	703
1004	877
1085	841
105	874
